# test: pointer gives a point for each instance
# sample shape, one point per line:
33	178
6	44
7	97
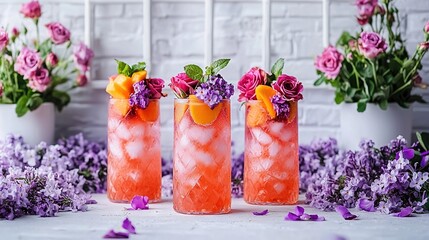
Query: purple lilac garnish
345	213
214	91
300	215
43	180
141	95
140	202
261	213
281	106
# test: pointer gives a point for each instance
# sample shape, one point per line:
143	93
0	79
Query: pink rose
4	39
81	80
289	87
82	57
58	33
362	20
183	85
330	62
1	89
427	27
366	7
155	85
51	60
248	83
27	62
40	80
31	9
371	44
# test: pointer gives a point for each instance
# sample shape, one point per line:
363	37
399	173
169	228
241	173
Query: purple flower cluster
46	179
214	91
281	106
370	178
141	95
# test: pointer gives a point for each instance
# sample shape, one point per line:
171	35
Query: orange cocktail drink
271	167
134	152
202	157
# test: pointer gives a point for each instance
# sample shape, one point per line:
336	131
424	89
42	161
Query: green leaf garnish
218	65
124	68
194	72
277	68
140	66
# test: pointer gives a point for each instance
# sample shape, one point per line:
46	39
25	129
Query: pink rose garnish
27	62
82	57
248	83
366	7
81	80
155	85
51	60
40	80
31	9
183	85
58	33
289	87
371	44
329	62
4	39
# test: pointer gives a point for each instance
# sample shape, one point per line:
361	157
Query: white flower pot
35	126
375	124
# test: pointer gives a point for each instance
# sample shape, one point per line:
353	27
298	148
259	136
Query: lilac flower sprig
141	95
214	91
281	106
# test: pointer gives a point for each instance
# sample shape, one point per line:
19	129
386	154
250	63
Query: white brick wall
178	39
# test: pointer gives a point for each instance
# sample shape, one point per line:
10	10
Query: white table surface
161	222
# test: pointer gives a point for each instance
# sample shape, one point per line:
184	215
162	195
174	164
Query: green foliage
195	72
388	78
127	70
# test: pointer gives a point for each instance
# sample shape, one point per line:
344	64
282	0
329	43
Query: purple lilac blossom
141	95
43	180
281	106
214	91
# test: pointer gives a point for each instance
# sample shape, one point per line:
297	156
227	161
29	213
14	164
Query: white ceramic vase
376	124
35	126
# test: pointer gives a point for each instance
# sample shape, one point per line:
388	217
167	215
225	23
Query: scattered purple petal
113	234
407	153
261	213
292	217
366	205
299	211
91	201
128	225
343	211
140	202
300	215
405	212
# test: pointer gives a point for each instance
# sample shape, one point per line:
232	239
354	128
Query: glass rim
186	100
127	99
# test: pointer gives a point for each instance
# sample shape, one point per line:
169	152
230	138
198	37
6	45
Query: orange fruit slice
265	93
201	112
256	114
125	83
179	111
139	76
293	111
149	114
115	91
122	106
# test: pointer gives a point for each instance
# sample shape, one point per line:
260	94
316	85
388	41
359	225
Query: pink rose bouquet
373	66
31	73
